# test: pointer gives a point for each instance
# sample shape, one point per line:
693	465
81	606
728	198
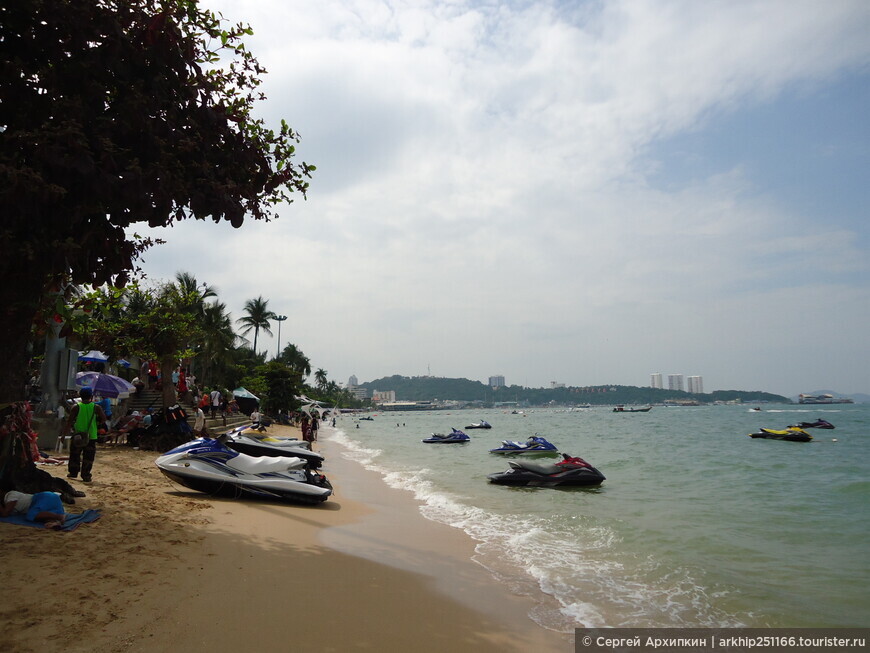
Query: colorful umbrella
105	385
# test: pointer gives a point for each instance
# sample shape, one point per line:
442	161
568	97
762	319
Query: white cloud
481	198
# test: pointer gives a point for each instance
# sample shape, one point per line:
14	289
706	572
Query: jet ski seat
537	468
265	464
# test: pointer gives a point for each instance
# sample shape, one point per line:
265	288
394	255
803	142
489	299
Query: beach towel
72	521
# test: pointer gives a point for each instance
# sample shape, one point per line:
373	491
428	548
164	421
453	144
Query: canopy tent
94	356
244	393
246	400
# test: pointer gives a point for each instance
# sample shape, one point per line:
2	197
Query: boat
208	465
824	399
622	409
454	437
568	472
791	434
367	419
534	445
482	424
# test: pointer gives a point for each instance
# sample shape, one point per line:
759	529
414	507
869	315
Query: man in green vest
82	422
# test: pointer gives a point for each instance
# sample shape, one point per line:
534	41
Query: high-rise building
655	380
496	381
352	381
675	381
696	385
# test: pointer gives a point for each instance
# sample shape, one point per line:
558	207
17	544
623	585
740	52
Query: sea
697	524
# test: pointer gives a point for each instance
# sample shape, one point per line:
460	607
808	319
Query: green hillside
429	388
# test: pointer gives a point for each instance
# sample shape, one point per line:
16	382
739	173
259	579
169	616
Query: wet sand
167	569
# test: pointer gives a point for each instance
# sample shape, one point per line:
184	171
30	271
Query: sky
584	192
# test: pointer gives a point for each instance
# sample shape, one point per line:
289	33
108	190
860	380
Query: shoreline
170	569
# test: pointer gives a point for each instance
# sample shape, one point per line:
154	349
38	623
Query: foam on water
570	565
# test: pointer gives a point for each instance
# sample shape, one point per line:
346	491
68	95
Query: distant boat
823	399
623	409
482	424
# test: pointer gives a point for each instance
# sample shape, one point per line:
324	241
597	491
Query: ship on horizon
823	399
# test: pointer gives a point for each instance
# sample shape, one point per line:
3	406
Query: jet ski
570	471
208	465
482	424
253	443
818	424
456	436
792	434
534	445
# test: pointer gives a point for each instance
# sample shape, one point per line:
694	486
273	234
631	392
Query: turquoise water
696	525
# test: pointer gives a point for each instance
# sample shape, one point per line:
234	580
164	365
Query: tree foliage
118	113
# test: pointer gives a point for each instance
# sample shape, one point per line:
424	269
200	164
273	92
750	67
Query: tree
162	328
216	344
258	317
293	357
320	379
113	114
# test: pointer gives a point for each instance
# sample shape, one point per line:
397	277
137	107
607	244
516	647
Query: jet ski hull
207	465
447	440
790	437
587	477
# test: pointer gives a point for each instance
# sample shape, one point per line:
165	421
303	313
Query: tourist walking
82	422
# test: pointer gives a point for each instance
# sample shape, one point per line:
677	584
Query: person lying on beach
44	507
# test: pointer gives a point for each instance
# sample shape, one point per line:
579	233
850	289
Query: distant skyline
578	191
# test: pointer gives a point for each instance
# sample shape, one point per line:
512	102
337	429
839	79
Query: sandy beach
167	569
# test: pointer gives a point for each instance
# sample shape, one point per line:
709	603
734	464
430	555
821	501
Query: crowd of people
93	419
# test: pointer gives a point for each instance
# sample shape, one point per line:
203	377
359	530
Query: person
106	404
45	507
138	384
199	422
314	427
255	418
215	397
152	374
181	386
83	419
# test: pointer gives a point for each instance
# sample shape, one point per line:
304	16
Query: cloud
485	200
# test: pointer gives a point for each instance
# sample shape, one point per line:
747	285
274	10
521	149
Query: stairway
153	399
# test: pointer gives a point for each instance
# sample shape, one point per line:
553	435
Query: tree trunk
20	296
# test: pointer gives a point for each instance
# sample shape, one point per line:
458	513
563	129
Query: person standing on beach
215	397
152	375
82	420
199	423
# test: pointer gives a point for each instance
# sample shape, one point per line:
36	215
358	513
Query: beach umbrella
94	356
105	385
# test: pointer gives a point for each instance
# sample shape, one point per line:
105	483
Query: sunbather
44	507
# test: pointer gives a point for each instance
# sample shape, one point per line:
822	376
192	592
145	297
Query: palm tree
258	317
219	338
194	295
320	378
293	358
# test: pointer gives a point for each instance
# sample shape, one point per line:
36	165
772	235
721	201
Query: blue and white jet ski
456	436
254	443
534	445
208	465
